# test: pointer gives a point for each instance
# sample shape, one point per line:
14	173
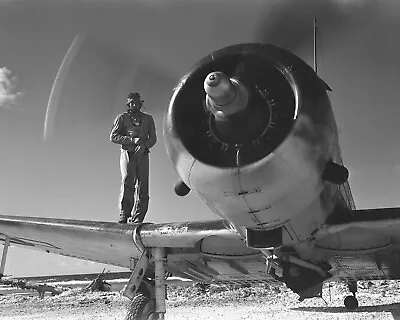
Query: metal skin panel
382	264
219	246
184	234
237	195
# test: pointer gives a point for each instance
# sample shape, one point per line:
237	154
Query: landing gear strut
4	256
147	296
351	302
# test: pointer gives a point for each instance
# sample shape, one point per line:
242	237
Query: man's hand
140	148
135	140
134	137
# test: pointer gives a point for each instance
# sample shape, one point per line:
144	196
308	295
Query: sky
146	46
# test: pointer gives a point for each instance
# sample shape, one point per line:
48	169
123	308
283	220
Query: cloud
7	88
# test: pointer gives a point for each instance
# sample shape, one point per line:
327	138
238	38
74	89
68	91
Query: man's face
134	104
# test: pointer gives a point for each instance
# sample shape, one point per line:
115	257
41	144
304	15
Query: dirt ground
378	300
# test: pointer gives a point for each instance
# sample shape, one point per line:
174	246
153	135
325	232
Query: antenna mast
315	45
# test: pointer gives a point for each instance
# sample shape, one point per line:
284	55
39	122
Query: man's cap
135	96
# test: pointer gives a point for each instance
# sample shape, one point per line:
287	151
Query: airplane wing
90	240
202	251
364	245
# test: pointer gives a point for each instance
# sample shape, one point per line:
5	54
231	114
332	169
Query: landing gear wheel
351	302
141	308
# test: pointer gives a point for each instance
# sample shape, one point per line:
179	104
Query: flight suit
134	162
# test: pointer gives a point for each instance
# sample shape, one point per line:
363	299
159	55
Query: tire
141	308
351	303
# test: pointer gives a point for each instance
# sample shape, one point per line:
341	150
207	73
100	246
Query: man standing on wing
135	132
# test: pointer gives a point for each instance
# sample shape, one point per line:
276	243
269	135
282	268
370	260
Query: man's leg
128	175
142	189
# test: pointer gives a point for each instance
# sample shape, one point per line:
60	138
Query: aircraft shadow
394	308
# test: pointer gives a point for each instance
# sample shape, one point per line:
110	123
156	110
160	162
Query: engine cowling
259	167
257	131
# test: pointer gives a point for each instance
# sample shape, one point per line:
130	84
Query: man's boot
122	218
138	218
